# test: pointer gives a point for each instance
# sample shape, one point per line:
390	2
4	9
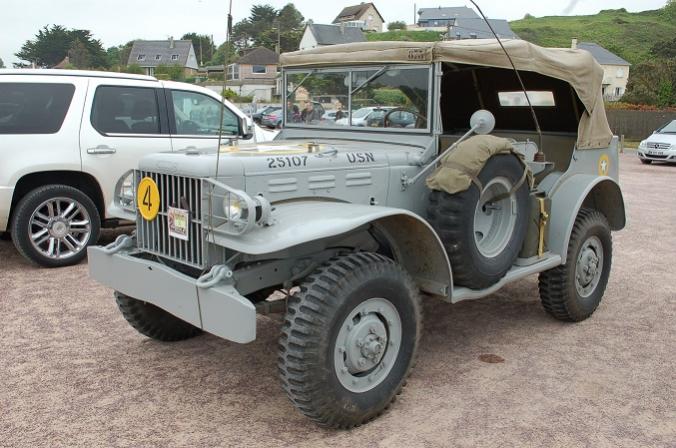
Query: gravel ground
73	373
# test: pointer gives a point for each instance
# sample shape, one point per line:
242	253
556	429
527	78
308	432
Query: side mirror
482	122
246	130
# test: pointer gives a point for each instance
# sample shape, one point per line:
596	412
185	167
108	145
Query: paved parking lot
73	373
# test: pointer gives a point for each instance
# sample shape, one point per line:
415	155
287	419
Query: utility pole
228	47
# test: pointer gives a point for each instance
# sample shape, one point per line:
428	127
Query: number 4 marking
146	198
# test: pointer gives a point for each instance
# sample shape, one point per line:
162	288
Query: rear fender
601	193
303	224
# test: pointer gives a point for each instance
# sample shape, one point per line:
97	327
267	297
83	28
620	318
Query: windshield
349	97
670	128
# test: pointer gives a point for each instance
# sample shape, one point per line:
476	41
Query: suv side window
33	108
125	110
198	114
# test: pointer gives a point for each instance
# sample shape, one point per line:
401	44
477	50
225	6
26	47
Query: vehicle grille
153	236
654	156
654	145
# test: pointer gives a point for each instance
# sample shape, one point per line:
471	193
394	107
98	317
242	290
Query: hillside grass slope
629	35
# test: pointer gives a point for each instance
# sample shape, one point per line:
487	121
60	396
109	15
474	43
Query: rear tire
482	245
349	339
154	322
572	292
54	224
646	161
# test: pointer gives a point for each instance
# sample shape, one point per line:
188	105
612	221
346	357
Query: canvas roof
577	67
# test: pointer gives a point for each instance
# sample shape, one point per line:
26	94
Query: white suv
66	137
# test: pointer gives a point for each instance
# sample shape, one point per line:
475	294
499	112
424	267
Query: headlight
124	192
643	145
234	208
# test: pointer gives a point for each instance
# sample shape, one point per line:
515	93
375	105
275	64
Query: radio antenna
518	76
226	57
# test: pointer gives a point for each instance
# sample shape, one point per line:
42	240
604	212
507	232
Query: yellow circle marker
604	165
148	199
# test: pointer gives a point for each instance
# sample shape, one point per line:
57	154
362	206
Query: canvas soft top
576	67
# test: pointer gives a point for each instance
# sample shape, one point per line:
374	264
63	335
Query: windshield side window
390	98
125	110
198	114
317	99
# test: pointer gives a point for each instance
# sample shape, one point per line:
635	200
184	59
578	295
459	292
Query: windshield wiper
370	78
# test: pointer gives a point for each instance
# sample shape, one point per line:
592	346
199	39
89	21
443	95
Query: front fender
598	192
414	243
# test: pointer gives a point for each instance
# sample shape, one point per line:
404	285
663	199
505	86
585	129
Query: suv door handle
101	149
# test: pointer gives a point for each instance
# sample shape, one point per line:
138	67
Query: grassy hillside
410	36
629	35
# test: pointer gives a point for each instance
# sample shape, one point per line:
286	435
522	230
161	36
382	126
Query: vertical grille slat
153	236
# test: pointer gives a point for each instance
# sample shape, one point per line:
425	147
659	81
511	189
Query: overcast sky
119	21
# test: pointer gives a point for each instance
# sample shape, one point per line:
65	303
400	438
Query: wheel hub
589	266
494	221
367	344
59	228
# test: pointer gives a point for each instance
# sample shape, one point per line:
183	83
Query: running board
516	273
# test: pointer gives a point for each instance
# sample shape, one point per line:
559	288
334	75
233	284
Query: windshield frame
350	70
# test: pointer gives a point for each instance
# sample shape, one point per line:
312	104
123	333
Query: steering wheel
188	127
387	121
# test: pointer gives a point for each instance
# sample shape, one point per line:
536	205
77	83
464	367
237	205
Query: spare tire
483	236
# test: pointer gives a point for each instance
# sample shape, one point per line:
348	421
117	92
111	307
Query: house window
174	57
233	71
618	91
620	73
259	69
158	57
141	57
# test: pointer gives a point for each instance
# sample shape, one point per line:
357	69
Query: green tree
664	49
204	46
396	25
133	69
52	44
265	25
119	55
652	82
78	56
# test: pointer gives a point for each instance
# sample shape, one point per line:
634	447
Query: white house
316	35
615	69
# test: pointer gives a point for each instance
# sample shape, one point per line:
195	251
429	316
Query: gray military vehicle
347	228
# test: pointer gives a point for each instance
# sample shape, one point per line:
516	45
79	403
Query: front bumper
219	310
6	194
667	155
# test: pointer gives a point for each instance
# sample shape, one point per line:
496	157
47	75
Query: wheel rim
494	222
589	266
59	228
367	345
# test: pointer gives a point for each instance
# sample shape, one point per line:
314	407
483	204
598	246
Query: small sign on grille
179	222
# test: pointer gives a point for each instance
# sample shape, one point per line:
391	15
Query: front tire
54	224
154	322
349	339
646	161
572	292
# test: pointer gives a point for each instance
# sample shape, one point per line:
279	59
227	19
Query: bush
390	97
172	72
132	68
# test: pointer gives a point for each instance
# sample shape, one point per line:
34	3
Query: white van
67	136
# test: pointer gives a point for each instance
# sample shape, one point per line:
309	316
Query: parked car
660	146
67	136
258	116
272	118
391	118
361	116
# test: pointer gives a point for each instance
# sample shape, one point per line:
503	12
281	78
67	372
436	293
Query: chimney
573	43
171	41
